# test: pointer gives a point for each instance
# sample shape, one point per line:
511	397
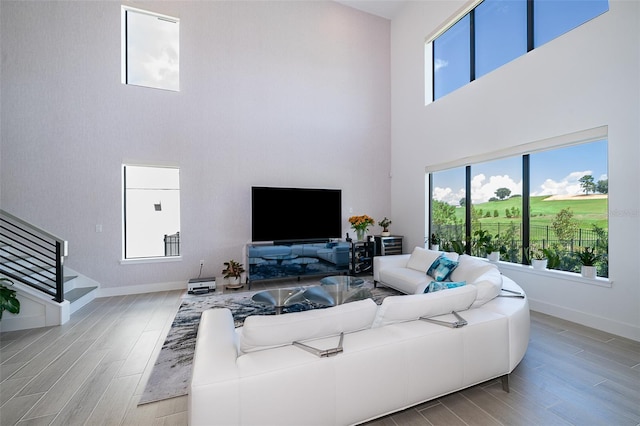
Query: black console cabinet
362	253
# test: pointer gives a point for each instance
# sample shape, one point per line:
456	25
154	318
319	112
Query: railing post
59	272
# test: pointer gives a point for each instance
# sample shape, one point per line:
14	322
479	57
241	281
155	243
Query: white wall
272	93
587	78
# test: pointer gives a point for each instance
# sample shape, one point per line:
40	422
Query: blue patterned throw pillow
441	268
443	285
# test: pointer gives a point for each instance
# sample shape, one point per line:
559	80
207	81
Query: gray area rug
171	373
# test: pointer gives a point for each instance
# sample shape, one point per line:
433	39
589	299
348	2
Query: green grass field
587	212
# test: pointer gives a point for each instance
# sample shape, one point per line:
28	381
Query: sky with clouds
553	172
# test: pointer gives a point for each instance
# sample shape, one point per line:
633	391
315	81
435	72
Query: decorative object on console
233	272
361	224
384	223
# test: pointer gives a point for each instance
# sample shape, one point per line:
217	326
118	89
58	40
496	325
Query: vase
385	233
360	234
588	271
539	264
494	256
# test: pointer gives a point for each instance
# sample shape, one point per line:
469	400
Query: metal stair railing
32	256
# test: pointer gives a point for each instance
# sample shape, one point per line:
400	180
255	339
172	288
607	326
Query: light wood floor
93	369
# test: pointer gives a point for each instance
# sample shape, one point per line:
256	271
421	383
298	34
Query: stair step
70	277
77	293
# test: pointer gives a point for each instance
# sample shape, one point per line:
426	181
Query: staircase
33	259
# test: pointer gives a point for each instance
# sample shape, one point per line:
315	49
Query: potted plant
384	223
434	242
232	272
8	300
361	224
537	258
492	248
588	258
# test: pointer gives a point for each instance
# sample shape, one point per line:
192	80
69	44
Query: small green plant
553	258
232	269
486	243
8	300
588	256
384	223
458	246
434	239
534	253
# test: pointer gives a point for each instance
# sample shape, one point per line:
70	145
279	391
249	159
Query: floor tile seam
23	417
583	398
78	388
27	346
63	374
462	394
438	402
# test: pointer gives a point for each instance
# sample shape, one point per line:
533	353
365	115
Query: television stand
276	260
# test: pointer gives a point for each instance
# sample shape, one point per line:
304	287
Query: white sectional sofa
390	359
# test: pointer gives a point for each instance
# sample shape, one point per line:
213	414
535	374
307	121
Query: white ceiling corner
383	8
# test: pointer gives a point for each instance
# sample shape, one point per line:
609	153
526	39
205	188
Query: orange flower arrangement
361	223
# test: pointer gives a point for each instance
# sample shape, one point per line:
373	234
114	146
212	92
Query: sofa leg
375	283
505	382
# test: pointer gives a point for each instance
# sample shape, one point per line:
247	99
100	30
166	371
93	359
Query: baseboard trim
625	330
142	288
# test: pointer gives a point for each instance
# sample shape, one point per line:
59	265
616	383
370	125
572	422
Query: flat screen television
295	214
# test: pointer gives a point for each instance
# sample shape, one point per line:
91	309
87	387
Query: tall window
496	32
150	49
151	211
448	200
496	209
556	205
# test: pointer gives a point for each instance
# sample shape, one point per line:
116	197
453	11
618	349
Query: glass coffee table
279	298
336	290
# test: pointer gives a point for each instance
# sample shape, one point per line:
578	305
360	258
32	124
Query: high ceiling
384	8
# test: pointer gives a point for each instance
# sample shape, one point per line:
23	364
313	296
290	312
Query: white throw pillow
489	285
421	259
413	306
268	331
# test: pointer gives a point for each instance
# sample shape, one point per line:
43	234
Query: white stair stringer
38	309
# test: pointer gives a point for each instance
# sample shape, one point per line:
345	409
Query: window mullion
467	205
526	206
530	25
472	45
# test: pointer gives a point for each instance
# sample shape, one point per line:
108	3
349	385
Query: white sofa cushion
268	331
482	274
421	259
413	306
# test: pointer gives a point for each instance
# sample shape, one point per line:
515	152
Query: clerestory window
495	32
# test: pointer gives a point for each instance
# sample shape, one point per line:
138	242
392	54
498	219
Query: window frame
125	11
145	259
